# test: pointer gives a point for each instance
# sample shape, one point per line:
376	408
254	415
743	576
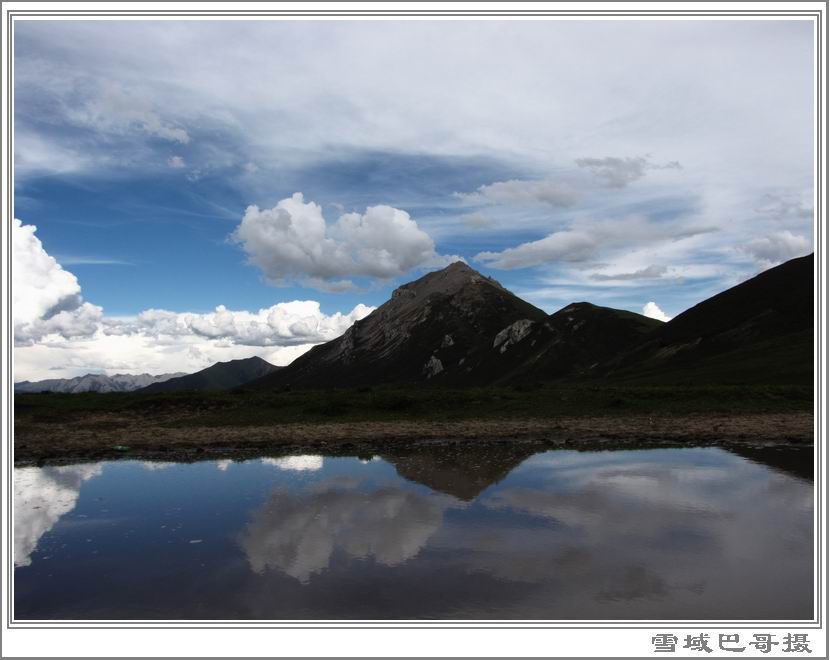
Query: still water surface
495	533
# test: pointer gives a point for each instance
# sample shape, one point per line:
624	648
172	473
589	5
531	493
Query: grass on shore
263	408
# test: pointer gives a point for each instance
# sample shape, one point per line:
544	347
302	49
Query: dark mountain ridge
457	327
220	376
758	331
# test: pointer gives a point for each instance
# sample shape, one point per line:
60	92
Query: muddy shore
132	438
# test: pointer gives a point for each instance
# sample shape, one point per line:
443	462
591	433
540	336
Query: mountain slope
760	331
439	328
571	342
94	383
220	376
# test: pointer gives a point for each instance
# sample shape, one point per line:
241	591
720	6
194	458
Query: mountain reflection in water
491	532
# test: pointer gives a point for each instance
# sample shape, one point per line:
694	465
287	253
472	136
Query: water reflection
41	497
461	471
297	533
494	531
296	463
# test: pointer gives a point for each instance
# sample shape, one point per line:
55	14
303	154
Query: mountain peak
453	279
431	326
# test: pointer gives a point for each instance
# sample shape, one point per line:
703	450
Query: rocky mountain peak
455	278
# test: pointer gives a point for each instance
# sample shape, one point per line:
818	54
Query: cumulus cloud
619	172
649	272
176	162
41	285
524	192
652	311
584	239
283	324
777	247
46	299
293	241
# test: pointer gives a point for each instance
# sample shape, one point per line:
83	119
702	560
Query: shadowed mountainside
760	331
220	376
569	343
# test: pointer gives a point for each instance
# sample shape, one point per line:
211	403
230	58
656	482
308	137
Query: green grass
254	408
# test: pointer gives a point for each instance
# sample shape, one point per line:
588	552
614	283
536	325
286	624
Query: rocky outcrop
512	334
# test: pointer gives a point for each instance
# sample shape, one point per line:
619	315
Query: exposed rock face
512	334
433	367
442	318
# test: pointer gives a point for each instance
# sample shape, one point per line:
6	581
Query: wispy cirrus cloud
617	172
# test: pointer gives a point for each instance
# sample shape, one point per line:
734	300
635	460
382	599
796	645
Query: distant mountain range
93	383
459	328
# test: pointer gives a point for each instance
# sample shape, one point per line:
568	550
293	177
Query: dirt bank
131	438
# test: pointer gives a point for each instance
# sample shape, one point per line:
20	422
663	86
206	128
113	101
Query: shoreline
60	444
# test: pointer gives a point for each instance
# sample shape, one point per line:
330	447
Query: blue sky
623	163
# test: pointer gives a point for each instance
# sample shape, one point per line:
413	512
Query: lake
503	532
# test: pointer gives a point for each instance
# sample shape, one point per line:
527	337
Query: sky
194	191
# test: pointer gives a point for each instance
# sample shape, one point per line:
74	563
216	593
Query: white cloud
293	241
283	324
559	246
41	285
549	192
58	357
46	298
652	311
777	247
586	238
176	162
